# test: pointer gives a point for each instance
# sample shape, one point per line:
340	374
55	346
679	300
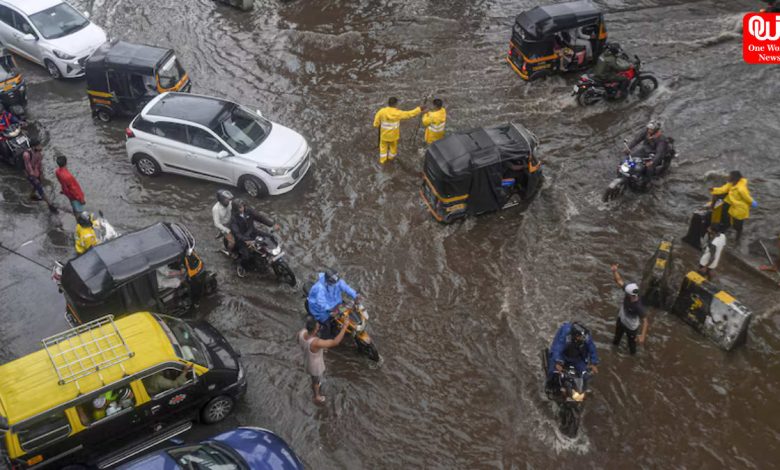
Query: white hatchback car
216	140
50	33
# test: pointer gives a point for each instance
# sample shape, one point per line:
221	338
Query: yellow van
107	390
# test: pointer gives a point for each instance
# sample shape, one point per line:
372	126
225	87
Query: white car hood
81	43
282	148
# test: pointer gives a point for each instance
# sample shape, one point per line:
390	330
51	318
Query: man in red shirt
33	168
70	187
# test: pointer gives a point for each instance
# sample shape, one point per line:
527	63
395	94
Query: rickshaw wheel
103	115
253	186
54	72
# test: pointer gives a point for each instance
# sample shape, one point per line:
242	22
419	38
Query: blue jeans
77	206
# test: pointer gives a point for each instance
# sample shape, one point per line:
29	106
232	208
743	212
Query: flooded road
459	312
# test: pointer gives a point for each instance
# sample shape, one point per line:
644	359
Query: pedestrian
33	168
713	248
388	121
435	122
736	203
70	187
632	314
313	357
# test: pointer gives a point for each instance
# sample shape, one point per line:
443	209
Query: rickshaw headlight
62	55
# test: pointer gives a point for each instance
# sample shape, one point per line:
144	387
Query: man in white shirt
221	212
713	248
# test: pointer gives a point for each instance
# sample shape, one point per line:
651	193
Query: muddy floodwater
459	312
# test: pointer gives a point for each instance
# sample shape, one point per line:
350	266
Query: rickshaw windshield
170	74
243	130
7	72
58	21
187	346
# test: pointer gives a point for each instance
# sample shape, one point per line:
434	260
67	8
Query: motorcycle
632	172
570	396
357	315
104	231
590	91
265	250
15	142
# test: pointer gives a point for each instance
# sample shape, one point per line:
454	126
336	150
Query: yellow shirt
434	123
388	119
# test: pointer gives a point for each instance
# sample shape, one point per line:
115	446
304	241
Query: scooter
570	395
590	91
15	142
357	315
265	250
632	172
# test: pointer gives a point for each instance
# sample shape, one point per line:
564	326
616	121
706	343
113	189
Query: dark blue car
244	448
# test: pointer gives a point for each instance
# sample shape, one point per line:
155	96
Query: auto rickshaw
13	90
564	37
481	170
123	77
155	268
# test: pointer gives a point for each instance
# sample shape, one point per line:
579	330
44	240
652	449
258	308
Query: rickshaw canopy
544	21
123	56
97	274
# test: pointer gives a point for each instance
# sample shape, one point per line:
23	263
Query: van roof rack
87	349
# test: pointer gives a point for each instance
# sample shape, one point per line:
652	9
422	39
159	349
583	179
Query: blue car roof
261	449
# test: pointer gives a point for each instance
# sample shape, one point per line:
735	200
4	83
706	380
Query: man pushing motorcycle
324	298
650	141
572	346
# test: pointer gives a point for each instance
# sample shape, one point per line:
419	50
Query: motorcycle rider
324	298
86	237
7	119
242	226
650	141
221	214
572	346
609	65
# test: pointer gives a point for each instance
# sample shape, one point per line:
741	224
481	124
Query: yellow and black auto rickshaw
564	37
122	77
480	170
13	91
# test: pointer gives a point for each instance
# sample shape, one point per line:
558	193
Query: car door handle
156	408
190	155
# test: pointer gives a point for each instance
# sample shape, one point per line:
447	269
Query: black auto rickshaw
153	269
13	90
122	77
563	37
481	170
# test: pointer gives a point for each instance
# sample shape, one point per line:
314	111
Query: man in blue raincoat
325	295
572	346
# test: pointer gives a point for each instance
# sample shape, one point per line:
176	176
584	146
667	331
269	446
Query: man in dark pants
632	314
650	141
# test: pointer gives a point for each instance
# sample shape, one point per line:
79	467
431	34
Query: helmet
578	331
83	219
238	202
614	48
332	276
654	125
224	197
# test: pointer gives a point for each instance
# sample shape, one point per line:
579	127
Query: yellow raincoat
737	197
85	238
434	123
388	120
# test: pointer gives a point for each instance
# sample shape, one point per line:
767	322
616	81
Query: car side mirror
28	37
86	14
259	113
222	154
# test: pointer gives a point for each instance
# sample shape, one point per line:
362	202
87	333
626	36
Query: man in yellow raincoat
434	122
86	237
388	120
736	203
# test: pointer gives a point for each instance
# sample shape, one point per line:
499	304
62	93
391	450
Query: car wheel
104	115
146	165
51	67
217	409
253	186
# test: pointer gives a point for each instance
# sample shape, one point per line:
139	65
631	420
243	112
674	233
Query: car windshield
241	129
170	74
184	341
58	21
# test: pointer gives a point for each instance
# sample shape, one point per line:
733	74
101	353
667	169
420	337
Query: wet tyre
284	273
614	191
644	86
588	98
147	165
570	421
253	186
51	67
104	115
369	350
217	409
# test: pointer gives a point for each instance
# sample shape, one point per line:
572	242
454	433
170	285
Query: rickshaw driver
609	66
324	299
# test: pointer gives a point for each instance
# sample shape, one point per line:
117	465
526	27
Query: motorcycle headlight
275	171
276	251
577	396
63	55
